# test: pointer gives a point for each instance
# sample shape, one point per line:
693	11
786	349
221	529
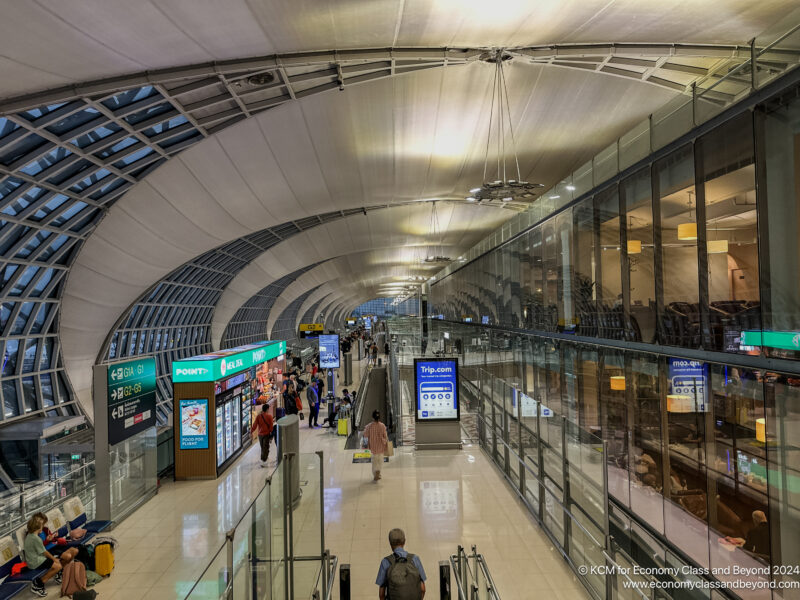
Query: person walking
400	576
290	400
265	425
312	395
377	441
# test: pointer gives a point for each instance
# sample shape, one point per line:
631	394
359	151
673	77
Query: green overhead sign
219	365
784	340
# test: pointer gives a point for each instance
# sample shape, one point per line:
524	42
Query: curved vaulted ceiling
47	44
136	142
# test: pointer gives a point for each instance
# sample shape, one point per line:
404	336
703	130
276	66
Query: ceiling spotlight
554	197
470	199
571	188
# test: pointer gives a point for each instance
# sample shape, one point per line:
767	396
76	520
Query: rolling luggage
103	559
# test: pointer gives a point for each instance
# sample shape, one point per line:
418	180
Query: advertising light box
688	386
219	365
436	389
329	351
194	424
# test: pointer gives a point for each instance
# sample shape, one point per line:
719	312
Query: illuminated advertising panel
436	385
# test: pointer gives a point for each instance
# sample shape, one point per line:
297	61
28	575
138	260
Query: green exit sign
784	340
76	457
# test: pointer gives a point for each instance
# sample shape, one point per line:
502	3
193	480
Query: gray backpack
402	578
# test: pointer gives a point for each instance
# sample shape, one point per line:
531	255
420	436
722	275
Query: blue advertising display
689	378
194	424
436	385
329	351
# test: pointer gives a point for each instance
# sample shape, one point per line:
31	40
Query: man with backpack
401	576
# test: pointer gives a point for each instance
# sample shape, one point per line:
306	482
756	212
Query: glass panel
10	405
609	292
647	455
242	546
585	276
615	423
211	585
779	238
641	321
686	515
731	232
680	322
782	443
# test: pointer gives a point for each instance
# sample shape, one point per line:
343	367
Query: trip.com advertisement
436	385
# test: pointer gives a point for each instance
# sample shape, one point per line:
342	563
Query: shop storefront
215	398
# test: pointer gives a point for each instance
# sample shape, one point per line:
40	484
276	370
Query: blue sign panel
689	379
436	385
194	424
329	351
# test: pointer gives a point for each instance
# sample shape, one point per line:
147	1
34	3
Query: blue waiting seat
14	584
76	514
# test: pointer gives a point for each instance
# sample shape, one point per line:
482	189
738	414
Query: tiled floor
440	498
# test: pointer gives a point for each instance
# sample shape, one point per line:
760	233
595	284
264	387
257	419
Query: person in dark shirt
757	540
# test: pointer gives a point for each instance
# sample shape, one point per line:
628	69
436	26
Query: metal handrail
333	563
465	578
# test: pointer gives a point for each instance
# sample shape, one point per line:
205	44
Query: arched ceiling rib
405	230
51	44
363	270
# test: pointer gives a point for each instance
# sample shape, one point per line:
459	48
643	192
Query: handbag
389	448
302	416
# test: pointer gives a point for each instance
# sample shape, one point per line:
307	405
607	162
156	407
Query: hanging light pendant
718	246
688	231
507	185
634	246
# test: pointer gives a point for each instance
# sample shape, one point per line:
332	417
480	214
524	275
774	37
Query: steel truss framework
66	155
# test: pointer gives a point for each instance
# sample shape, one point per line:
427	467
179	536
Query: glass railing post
287	509
228	576
565	479
606	522
322	550
540	455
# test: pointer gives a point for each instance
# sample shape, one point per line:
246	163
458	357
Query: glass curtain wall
698	249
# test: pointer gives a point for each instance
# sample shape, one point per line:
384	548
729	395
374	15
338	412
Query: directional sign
131	398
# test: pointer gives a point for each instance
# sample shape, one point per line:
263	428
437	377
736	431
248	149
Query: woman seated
37	557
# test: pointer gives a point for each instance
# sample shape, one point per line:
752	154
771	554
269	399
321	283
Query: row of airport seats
681	321
11	551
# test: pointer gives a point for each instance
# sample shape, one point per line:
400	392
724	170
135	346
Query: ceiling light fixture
570	188
502	189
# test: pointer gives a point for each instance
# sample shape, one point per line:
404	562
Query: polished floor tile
440	498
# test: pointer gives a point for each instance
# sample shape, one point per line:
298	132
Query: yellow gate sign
308	330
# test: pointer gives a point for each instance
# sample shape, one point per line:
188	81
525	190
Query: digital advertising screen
194	424
436	385
329	351
688	386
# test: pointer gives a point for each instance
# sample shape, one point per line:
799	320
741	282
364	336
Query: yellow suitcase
343	426
103	560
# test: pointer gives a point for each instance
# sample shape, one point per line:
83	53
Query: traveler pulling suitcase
103	559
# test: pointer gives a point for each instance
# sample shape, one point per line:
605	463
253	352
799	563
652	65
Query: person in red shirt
265	424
